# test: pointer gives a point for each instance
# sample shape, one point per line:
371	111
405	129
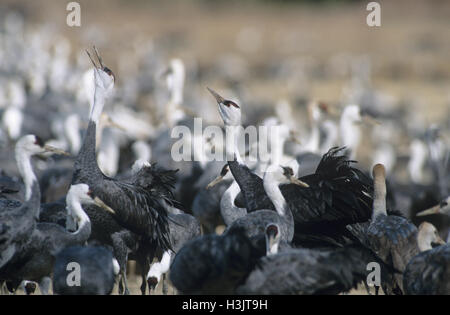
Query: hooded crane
255	222
428	272
18	223
443	208
98	270
229	211
392	238
107	231
35	261
134	207
183	228
338	193
214	264
305	271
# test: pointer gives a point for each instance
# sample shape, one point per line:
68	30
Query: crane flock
302	217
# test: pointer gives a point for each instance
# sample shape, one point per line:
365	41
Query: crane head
228	110
104	77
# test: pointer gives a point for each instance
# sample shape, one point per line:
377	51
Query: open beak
298	182
102	205
49	148
98	58
430	211
218	98
217	180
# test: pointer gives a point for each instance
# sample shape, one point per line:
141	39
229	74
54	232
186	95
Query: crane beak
298	182
217	180
49	148
440	241
293	136
218	98
104	206
430	211
329	109
370	120
109	122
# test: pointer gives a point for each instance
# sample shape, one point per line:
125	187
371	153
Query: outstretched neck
97	108
379	198
232	144
86	159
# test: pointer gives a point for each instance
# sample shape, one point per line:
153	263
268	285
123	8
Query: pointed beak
98	57
293	136
298	182
102	205
370	120
92	60
49	148
218	98
217	180
440	241
112	124
329	109
430	211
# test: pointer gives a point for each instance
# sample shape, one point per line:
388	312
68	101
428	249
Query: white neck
277	146
97	108
271	250
350	133
73	135
424	243
75	210
274	193
23	159
379	198
198	146
232	143
158	268
314	138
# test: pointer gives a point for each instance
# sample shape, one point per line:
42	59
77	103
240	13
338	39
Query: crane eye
272	229
109	72
224	170
230	103
287	171
38	141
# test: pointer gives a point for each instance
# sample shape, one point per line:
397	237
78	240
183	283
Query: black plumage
214	264
306	271
96	267
338	194
428	273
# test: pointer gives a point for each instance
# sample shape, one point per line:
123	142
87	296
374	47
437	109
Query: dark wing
294	272
252	187
158	181
429	272
214	264
137	209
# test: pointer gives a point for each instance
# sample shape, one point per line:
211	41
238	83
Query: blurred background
259	52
